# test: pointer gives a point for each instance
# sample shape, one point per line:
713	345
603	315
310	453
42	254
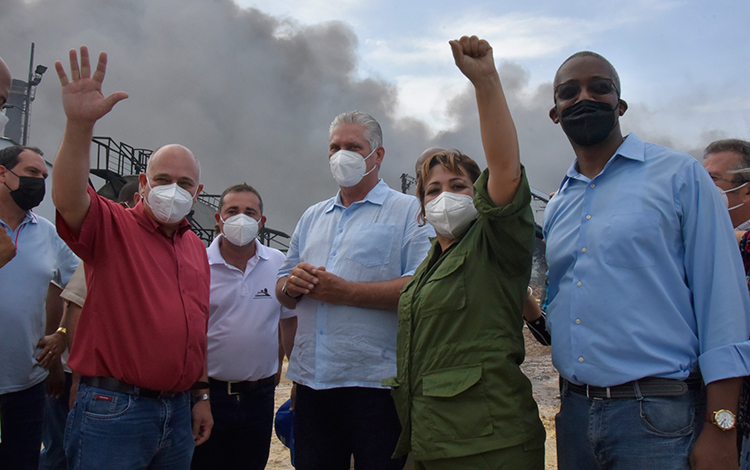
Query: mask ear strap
735	207
371	170
734	189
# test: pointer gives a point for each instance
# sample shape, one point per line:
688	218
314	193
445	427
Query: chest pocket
372	244
445	290
632	240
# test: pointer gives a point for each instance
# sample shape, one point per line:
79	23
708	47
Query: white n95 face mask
169	202
239	229
450	214
726	199
348	168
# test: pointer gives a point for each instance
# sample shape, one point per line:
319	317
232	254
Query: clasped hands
316	283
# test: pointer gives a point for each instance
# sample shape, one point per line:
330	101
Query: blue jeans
241	436
745	454
118	431
624	434
21	421
52	456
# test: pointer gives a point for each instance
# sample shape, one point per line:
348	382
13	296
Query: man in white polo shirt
245	324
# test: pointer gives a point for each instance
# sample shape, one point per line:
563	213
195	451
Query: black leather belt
235	388
114	385
648	387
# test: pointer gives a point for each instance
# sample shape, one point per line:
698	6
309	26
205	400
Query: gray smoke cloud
253	95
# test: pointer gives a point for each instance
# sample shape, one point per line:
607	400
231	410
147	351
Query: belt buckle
588	393
166	396
229	388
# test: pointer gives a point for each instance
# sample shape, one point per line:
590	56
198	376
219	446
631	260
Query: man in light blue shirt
28	351
647	292
347	261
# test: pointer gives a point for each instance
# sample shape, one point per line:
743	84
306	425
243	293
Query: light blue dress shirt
41	257
373	240
645	275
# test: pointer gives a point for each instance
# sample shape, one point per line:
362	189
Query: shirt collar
29	218
376	196
214	254
745	226
631	148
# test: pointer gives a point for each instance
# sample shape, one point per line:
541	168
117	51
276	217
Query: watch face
724	419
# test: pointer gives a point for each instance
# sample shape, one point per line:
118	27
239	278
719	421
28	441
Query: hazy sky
251	87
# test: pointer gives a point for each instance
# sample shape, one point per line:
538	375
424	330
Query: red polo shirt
145	316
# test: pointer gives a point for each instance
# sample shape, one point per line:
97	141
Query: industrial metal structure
117	163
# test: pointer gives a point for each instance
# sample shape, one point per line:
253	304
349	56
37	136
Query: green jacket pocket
453	405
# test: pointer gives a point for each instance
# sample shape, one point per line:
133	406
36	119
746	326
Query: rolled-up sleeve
715	274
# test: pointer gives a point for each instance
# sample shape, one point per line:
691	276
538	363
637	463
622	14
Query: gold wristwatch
723	419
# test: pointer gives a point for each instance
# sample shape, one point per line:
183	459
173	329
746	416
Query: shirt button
579	283
580	359
584	249
593	185
578	321
588	217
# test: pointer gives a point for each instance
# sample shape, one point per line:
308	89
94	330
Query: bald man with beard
139	356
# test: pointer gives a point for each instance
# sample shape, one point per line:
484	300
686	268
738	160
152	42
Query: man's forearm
54	305
70	174
381	295
723	395
716	448
71	314
287	331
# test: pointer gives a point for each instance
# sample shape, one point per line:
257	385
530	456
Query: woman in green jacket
462	399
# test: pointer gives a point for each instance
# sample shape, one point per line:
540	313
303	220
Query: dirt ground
538	367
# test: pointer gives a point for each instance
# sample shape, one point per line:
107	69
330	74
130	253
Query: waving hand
83	100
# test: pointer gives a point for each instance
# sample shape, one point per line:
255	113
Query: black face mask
29	193
588	122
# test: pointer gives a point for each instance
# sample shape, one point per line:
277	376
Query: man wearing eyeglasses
728	163
647	293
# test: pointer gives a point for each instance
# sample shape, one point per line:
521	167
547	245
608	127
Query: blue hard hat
284	424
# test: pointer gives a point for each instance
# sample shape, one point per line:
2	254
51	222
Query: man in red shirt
141	339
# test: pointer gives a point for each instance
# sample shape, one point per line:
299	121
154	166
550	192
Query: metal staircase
117	163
